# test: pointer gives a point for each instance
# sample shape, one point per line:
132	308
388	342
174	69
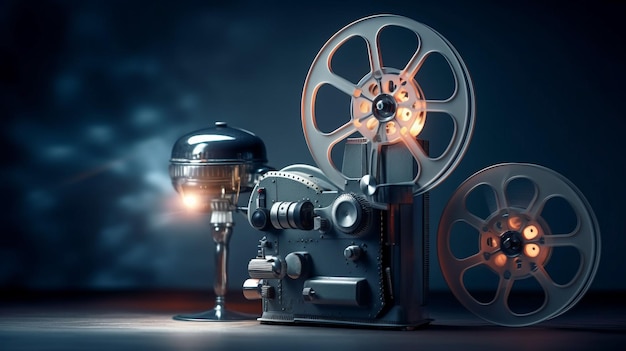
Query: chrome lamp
209	168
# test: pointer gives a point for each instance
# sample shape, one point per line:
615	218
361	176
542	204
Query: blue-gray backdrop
94	94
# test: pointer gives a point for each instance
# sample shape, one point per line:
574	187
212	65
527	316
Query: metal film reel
517	243
388	105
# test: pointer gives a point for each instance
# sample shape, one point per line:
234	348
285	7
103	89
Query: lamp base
217	314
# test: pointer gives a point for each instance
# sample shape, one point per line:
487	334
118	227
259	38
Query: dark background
94	95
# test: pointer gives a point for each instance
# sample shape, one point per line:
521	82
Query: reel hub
392	107
384	107
512	243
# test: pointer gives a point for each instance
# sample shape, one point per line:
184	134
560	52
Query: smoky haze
94	95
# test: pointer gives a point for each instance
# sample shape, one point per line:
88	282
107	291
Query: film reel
516	242
388	105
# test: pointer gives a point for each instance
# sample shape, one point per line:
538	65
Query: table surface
143	320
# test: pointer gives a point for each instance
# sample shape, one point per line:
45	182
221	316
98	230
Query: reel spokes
387	105
517	243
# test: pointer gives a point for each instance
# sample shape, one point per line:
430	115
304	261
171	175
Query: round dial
351	213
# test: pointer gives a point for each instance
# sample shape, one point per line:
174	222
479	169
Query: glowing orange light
191	201
492	242
364	107
371	123
531	250
391	128
417	127
500	260
530	232
404	114
402	96
373	89
515	223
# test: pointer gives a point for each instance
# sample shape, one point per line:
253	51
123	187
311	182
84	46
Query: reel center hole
384	107
511	243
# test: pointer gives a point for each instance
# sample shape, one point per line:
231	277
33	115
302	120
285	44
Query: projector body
339	256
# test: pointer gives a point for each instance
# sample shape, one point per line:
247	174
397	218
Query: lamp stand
222	228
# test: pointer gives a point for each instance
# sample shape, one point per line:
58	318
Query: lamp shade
216	162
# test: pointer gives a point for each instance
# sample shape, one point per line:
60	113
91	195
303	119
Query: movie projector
347	243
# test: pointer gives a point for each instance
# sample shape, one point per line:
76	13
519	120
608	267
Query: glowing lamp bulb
190	201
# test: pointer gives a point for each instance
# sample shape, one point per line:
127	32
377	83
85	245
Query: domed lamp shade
209	168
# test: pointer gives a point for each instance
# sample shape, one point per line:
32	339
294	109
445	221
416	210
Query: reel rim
589	260
431	171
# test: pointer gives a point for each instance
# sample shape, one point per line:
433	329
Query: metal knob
269	267
297	264
352	252
252	289
351	213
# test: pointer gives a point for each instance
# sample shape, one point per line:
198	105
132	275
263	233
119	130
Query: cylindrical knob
292	215
260	219
352	252
351	213
266	268
252	289
297	264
